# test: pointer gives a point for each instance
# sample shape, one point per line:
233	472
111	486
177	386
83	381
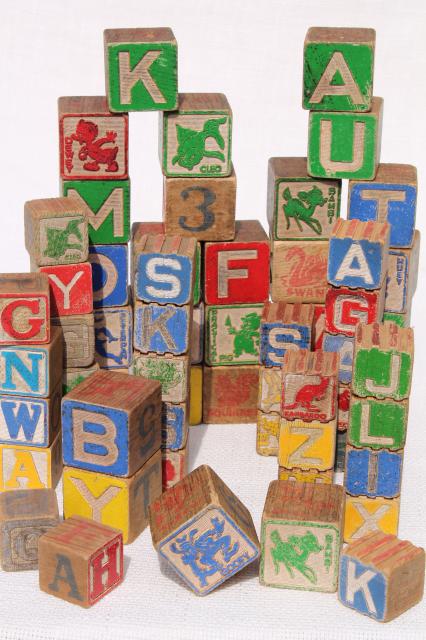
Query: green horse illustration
58	240
294	553
192	144
303	208
246	338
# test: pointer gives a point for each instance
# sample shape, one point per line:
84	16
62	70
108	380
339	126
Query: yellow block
307	445
268	431
196	395
324	477
363	515
24	467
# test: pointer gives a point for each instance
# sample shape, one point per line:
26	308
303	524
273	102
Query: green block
377	424
107	203
382	374
197	283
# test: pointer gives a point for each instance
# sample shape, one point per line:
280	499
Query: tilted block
284	327
391	197
312	476
346	308
196	140
109	274
345	145
401	281
343	404
73	376
233	334
340	458
318	327
80	561
199	509
363	514
230	394
121	503
24	309
24	517
378	424
197	338
307	445
270	384
93	143
381	576
78	335
237	272
25	467
344	346
162	328
174	466
299	271
171	371
113	337
267	434
111	423
174	425
373	473
301	535
71	290
196	395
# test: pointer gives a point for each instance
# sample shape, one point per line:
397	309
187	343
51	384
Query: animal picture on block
346	308
233	334
230	394
28	467
171	371
109	275
113	337
284	327
71	291
301	535
24	309
203	530
299	271
364	514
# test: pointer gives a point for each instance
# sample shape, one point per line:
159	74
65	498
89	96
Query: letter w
23	417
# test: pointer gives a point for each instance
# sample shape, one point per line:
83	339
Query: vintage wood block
25	467
383	361
198	510
284	327
174	425
314	476
345	145
93	143
391	197
197	337
340	458
111	423
338	69
307	445
171	371
344	346
346	308
113	337
141	69
381	576
196	139
33	370
162	328
109	275
358	254
202	208
230	394
174	466
363	514
401	319
233	334
299	207
71	290
56	231
267	434
378	424
301	535
270	383
80	561
121	503
78	335
309	386
24	517
237	272
373	473
107	207
24	309
196	395
343	404
72	377
401	282
318	327
299	271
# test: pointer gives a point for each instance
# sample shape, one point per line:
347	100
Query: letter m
113	204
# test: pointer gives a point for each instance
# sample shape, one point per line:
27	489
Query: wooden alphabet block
141	69
284	327
318	327
345	145
301	535
340	458
237	272
378	424
401	282
202	208
196	140
346	308
268	431
300	207
307	445
343	404
80	561
109	275
358	254
24	309
71	289
111	423
230	394
162	328
314	476
383	361
121	503
24	467
113	337
72	377
299	271
373	473
56	231
174	466
344	346
363	514
338	68
233	334
196	395
381	576
138	241
174	425
78	335
197	337
201	507
24	517
171	371
107	207
93	143
270	385
401	319
391	197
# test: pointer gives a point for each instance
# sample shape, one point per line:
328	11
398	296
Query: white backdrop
252	52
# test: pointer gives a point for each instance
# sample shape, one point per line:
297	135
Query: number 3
208	215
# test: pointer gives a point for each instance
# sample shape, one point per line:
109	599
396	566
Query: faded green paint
192	144
399	318
374	364
197	283
59	241
387	420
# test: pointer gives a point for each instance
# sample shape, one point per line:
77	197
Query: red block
346	308
71	291
24	309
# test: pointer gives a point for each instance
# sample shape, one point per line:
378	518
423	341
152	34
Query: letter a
355	264
139	73
355	584
325	88
63	565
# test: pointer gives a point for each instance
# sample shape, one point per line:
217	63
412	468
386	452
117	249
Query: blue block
24	371
109	274
113	337
162	329
274	338
164	278
367	596
344	346
359	254
373	473
24	421
174	426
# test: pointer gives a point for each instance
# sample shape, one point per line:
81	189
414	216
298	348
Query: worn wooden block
284	327
113	337
345	145
33	370
299	271
174	425
171	371
93	143
25	467
109	275
71	291
174	466
344	346
78	336
73	376
383	361
121	503
391	197
162	328
80	561
196	139
373	473
230	394
299	207
111	423
301	535
309	386
401	281
346	308
363	514
267	434
381	576
233	334
307	445
24	517
318	327
314	476
137	236
378	424
24	309
199	509
270	383
197	337
107	207
401	319
141	69
343	404
196	395
340	458
338	69
237	272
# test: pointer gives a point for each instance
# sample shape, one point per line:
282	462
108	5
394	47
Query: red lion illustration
86	134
